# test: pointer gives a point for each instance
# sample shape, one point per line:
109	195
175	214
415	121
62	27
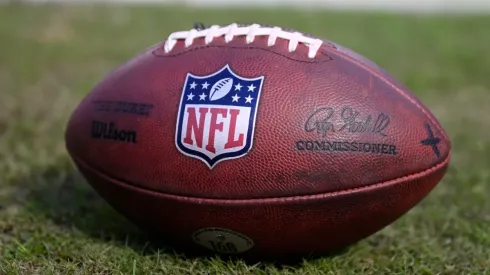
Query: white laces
250	32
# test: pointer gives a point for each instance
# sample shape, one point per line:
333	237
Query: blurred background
53	52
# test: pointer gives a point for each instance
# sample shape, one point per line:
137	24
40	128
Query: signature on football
327	119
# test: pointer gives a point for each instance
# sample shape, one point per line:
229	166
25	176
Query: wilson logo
109	131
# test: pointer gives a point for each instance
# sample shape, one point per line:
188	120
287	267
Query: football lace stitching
250	32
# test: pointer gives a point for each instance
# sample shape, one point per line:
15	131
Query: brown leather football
258	140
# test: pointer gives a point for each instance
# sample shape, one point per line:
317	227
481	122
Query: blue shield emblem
217	114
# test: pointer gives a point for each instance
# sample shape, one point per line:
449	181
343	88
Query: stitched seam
400	91
352	59
330	49
196	48
275	199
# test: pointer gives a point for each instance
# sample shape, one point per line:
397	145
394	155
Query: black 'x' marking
432	141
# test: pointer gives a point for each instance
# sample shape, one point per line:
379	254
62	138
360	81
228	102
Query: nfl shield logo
217	112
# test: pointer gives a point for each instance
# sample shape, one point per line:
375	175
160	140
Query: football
256	140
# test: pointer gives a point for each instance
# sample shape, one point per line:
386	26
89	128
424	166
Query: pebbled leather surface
284	197
278	226
294	88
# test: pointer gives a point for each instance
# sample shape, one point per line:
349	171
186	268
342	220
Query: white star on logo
193	85
205	85
238	87
251	88
248	99
235	98
190	96
202	96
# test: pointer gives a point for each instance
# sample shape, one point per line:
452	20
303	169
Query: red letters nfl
256	140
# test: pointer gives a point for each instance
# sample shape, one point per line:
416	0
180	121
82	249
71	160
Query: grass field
51	222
